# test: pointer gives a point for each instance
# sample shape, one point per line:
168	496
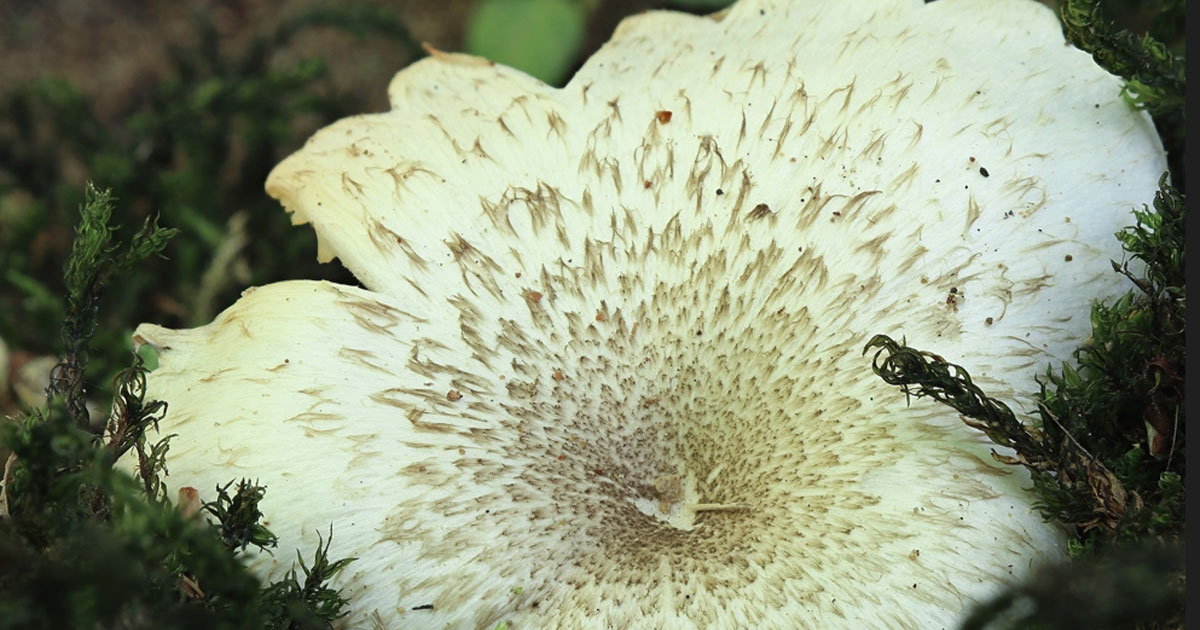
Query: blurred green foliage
1125	589
195	149
702	5
540	37
545	38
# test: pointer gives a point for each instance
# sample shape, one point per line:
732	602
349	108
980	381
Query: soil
111	49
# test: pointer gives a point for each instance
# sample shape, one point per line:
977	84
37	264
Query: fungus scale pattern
608	371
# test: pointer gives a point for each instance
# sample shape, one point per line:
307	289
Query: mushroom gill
607	373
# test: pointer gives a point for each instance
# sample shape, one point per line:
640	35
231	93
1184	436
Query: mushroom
607	371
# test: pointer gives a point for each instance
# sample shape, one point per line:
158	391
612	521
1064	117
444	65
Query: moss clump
83	545
1106	457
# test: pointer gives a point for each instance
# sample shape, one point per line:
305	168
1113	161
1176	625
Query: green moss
1106	458
1152	62
83	545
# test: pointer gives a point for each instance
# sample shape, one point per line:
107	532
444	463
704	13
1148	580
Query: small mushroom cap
607	372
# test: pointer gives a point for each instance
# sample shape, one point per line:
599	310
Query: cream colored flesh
608	373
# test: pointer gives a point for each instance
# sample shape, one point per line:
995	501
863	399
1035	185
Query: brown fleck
646	184
1068	258
191	588
760	211
670	490
558	375
600	316
189	502
453	395
988	321
533	296
663	117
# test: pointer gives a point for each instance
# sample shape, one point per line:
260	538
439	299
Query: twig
8	465
1049	414
222	269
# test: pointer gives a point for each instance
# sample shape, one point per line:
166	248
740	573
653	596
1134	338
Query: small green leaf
539	37
206	93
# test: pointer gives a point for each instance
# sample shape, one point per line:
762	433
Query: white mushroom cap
608	373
